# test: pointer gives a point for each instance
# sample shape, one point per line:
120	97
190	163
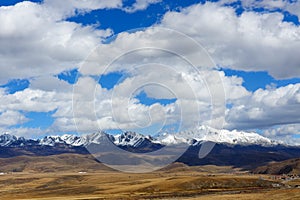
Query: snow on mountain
125	139
7	139
74	140
11	140
191	137
131	139
171	139
51	140
95	138
204	133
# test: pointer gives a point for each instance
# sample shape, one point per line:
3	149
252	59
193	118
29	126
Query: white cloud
33	42
267	4
251	4
36	40
10	118
140	5
251	42
29	133
50	83
29	100
155	45
117	108
294	8
286	133
266	108
285	130
262	109
68	8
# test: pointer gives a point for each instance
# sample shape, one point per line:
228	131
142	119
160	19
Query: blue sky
256	80
40	120
118	20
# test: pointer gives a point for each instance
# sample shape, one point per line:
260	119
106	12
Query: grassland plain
80	177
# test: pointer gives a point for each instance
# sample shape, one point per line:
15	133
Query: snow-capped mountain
192	137
7	139
74	140
204	133
172	139
51	140
233	148
131	139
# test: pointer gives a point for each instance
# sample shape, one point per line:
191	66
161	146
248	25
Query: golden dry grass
58	178
282	194
113	185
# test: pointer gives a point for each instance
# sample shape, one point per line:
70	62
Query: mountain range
133	139
233	148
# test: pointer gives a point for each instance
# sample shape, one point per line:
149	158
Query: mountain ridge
133	139
232	148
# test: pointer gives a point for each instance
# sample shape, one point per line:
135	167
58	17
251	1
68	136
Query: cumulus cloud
156	45
34	42
140	5
10	118
294	8
267	4
30	100
50	83
286	133
29	133
285	130
266	108
68	8
118	107
251	42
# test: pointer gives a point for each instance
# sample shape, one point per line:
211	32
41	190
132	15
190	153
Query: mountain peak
7	139
130	138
